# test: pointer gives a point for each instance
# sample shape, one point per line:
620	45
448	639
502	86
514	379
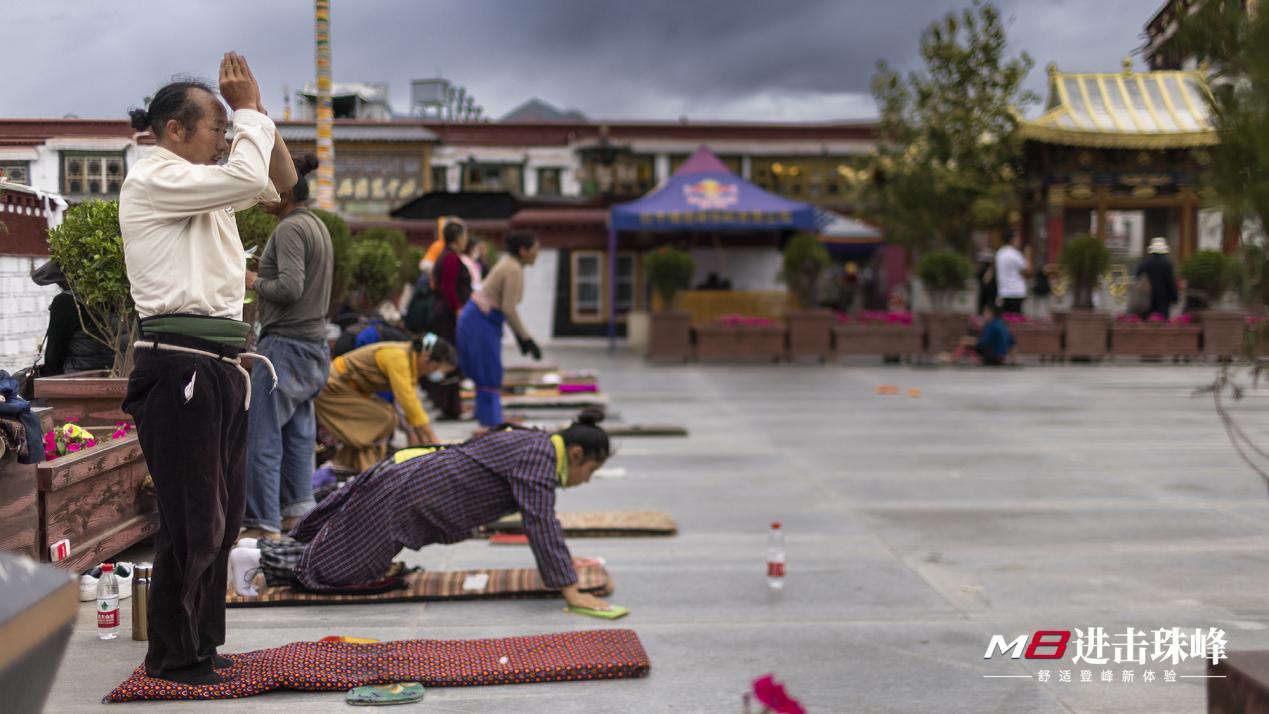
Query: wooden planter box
96	500
92	398
944	330
750	343
1037	339
1146	340
1086	333
810	334
19	500
670	336
883	340
1222	333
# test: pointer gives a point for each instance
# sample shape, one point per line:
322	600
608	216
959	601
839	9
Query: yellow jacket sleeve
395	365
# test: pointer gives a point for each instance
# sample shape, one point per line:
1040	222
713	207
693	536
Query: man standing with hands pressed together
189	392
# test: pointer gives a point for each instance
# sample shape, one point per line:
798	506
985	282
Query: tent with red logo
702	195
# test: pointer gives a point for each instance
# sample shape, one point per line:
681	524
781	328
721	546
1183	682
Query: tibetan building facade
1120	155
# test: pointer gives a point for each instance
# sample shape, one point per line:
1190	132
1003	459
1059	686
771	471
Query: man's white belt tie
235	361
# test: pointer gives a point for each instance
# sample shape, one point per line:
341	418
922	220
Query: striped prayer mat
339	666
442	585
620	428
599	524
551	398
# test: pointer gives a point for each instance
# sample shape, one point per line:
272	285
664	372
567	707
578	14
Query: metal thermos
140	600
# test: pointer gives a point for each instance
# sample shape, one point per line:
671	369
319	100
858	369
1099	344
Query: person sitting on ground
441	496
361	421
992	346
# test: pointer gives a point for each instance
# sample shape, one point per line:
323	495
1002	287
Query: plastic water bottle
107	603
775	557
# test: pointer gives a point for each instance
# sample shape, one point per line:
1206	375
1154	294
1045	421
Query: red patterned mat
338	666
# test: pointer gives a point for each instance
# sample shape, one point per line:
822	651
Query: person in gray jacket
293	292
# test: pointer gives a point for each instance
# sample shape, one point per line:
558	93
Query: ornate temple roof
1127	110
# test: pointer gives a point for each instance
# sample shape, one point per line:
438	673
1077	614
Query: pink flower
72	448
1156	317
50	454
50	440
1185	319
89	443
118	434
771	694
1128	317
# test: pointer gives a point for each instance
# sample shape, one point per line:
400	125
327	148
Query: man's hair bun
305	164
140	119
590	417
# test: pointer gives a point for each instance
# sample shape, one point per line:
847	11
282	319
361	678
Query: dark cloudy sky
647	59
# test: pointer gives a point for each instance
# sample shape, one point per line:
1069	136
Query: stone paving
996	502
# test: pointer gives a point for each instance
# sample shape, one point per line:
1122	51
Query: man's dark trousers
191	424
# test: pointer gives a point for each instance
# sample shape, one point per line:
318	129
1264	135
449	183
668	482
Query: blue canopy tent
702	195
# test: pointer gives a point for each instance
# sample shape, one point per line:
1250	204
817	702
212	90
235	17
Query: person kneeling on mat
441	496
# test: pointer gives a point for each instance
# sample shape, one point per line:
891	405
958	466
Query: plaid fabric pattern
355	533
278	559
339	666
599	524
440	585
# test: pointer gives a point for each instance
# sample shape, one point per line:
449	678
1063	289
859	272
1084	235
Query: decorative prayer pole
325	114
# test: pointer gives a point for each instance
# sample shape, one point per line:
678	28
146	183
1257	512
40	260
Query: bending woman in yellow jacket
363	422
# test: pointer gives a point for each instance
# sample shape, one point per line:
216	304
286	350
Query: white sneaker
88	582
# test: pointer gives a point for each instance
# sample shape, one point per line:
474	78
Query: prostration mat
442	585
599	524
337	666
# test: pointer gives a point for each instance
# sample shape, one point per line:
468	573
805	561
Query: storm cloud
741	60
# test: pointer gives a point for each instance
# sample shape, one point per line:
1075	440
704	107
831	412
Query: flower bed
94	496
944	330
810	334
1154	337
1222	333
740	338
670	336
1034	338
877	333
1085	334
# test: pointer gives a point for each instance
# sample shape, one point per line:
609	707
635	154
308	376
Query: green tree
805	260
669	271
943	272
400	246
88	246
1084	259
1234	43
341	249
950	151
254	228
374	270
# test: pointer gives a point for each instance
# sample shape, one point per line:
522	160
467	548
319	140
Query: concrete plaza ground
998	502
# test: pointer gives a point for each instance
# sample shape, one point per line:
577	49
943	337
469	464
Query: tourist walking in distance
1011	269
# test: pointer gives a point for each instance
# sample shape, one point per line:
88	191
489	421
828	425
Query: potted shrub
1084	259
88	246
1209	275
1155	336
943	273
669	271
810	329
885	334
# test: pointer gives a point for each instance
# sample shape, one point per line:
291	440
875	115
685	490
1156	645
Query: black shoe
193	680
221	662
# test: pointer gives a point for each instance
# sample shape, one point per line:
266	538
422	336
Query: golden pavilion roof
1125	110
